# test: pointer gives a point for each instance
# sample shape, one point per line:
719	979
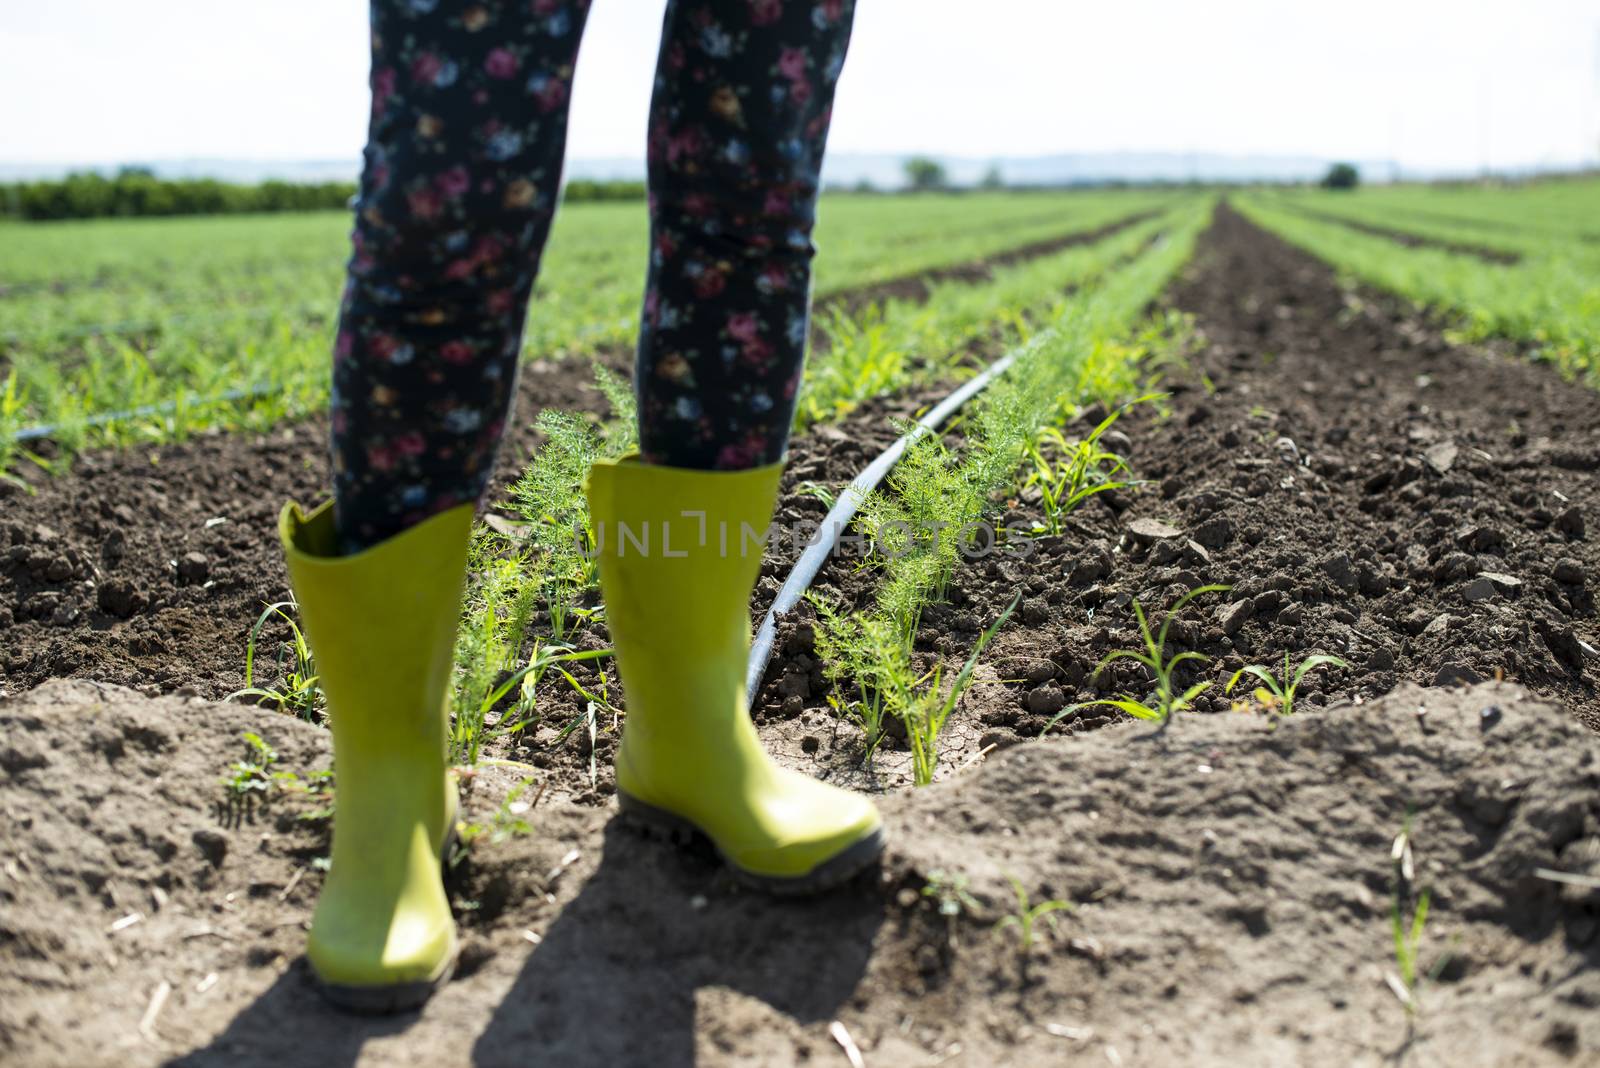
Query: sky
1436	85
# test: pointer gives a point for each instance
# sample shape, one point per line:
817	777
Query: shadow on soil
615	978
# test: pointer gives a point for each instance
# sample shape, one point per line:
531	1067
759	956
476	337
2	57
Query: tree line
136	192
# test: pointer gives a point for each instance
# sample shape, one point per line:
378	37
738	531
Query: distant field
1522	263
111	315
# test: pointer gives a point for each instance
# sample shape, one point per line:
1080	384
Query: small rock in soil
1441	457
1570	523
1233	617
1479	589
194	567
1440	625
1569	571
1152	530
1046	700
1455	566
213	845
120	597
1562	642
1214	533
1454	674
1505	585
1338	569
1416	621
1479	538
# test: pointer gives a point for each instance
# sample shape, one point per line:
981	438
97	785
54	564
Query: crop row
1549	299
282	352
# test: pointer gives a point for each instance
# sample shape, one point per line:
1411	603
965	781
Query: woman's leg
741	109
468	126
463	166
743	95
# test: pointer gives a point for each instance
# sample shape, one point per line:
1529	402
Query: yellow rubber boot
679	551
382	625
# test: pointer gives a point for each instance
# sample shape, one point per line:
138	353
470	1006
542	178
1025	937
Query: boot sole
830	874
392	998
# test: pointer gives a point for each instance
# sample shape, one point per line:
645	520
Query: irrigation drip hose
844	509
47	430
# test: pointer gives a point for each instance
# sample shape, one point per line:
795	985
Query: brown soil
1231	881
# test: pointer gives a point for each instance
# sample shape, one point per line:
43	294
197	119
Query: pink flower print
453	182
775	278
652	304
833	10
383	85
343	345
777	203
411	443
698	205
487	250
380	457
456	352
738	457
460	269
765	12
499	302
687	143
425	68
792	386
501	63
552	94
757	352
709	283
424	203
382	346
800	91
546	7
667	245
792	63
743	326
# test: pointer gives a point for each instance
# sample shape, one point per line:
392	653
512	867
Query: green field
1549	298
112	315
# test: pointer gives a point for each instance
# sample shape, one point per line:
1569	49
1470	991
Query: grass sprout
1027	916
1406	935
1164	701
299	692
1068	473
1276	693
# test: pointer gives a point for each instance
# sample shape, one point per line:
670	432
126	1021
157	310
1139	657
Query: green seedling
952	892
476	724
1164	702
1406	980
864	652
254	774
300	692
1025	920
1276	693
258	774
509	820
927	714
1066	473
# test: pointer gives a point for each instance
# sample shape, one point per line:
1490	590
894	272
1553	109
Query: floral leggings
462	173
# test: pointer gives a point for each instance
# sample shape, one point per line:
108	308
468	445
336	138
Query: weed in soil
1276	692
1163	702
